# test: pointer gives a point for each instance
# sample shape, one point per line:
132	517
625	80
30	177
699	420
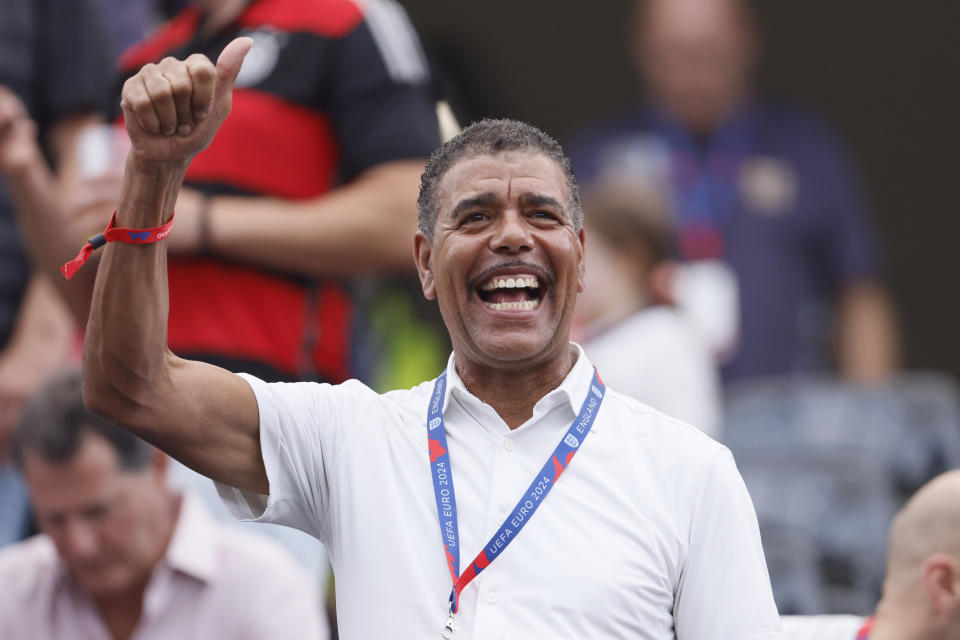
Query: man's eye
547	215
475	217
54	521
97	512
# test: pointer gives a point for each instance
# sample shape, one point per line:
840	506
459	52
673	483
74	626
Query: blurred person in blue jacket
759	188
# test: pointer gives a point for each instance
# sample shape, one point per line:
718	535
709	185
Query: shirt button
501	518
492	597
508	445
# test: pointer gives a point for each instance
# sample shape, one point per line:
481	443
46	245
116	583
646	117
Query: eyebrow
538	200
490	199
483	200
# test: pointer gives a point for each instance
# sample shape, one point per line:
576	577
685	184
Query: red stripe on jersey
245	313
332	319
173	34
293	154
332	18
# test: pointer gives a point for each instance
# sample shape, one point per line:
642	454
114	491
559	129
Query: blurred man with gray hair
121	556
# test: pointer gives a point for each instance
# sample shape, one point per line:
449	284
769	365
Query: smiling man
429	499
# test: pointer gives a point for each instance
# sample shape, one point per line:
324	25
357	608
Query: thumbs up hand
174	108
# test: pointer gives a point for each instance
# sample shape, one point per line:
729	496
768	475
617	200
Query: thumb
228	66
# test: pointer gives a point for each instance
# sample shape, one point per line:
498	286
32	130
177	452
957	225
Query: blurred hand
18	134
173	109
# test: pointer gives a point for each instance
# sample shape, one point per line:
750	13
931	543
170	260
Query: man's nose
80	540
511	234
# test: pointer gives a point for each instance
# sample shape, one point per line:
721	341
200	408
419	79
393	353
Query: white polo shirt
649	534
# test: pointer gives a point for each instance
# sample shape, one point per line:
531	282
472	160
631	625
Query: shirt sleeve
302	430
724	591
75	70
381	99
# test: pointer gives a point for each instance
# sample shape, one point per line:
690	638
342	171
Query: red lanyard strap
115	234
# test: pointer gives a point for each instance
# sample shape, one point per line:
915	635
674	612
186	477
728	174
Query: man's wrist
146	167
149	191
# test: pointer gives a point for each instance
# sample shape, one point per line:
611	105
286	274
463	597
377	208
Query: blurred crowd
733	281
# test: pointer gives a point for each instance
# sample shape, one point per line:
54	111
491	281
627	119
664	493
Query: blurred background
881	73
829	455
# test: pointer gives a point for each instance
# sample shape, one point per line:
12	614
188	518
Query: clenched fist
173	109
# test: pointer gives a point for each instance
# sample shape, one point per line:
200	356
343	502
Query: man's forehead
93	463
508	175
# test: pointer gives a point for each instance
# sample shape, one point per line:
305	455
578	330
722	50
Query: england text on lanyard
529	502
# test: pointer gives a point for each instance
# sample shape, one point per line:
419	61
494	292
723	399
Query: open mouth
514	292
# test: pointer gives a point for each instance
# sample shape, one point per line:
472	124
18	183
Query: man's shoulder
794	126
351	390
647	427
327	18
26	567
825	627
246	553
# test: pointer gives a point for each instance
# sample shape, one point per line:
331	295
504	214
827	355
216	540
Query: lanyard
529	502
864	633
705	181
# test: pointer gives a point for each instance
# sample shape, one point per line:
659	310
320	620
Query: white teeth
523	305
510	283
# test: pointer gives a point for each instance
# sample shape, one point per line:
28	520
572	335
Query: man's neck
121	612
891	625
513	394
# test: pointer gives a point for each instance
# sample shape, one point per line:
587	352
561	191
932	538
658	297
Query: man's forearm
868	348
125	351
364	226
43	221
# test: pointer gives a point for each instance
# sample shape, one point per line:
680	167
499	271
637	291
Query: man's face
108	525
505	262
695	57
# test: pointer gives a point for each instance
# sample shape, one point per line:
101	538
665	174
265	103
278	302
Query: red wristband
115	234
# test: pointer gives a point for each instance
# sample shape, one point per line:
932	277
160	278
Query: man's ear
422	251
582	254
941	580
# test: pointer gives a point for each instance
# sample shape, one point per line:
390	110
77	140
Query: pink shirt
214	582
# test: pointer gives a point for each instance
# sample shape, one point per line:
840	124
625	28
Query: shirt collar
193	548
572	391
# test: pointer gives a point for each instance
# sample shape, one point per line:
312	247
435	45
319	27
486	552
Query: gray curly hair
489	137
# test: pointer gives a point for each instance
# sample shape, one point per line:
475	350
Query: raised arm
202	415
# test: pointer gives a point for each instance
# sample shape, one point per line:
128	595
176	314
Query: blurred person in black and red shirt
311	180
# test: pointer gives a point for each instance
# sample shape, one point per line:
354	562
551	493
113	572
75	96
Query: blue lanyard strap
529	502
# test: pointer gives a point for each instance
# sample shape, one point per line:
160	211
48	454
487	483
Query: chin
107	584
515	346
